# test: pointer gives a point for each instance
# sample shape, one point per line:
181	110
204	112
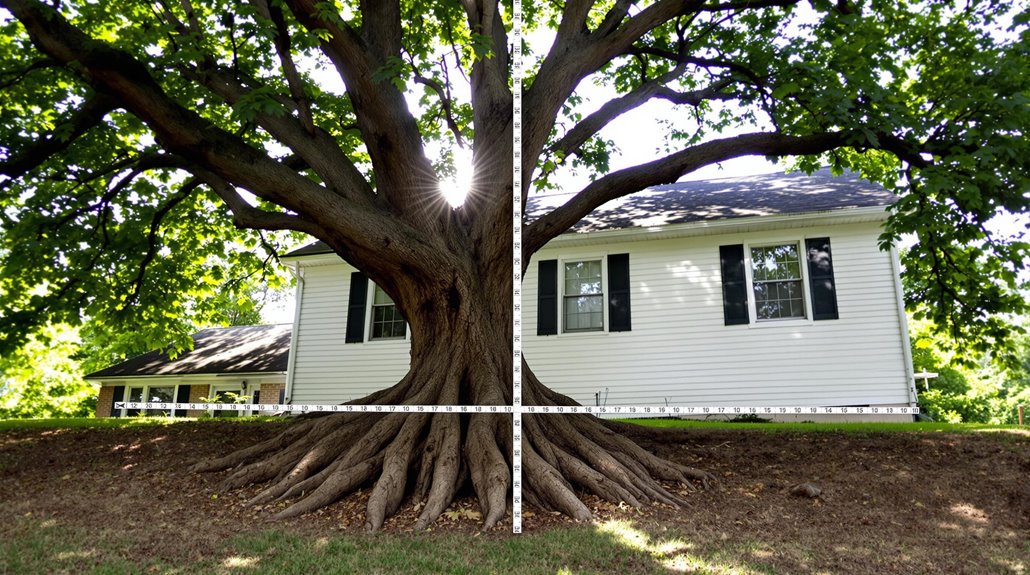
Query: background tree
44	376
131	134
971	387
43	379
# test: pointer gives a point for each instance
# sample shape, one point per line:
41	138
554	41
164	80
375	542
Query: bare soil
889	503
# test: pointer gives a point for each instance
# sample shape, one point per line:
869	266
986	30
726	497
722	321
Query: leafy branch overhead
150	151
107	110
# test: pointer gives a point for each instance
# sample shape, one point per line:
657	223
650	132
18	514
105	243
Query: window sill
596	333
382	340
772	323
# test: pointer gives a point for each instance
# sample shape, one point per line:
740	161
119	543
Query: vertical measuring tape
516	304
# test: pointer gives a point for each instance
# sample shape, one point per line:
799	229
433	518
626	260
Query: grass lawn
7	425
608	547
112	496
844	427
671	423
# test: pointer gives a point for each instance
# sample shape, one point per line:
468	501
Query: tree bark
460	354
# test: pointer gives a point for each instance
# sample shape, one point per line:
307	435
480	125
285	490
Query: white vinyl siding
325	368
680	351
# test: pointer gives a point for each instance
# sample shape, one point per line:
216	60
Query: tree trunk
461	354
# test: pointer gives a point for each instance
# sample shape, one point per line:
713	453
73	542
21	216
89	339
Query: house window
777	282
387	322
229	394
583	296
151	394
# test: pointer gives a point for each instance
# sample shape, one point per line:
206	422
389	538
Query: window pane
227	396
135	395
583	306
380	297
160	395
776	275
584	313
387	321
583	277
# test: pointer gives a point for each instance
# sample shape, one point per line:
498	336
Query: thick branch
577	54
317	148
490	93
152	235
446	105
90	114
404	175
490	204
655	88
245	215
668	170
360	232
12	77
282	47
748	5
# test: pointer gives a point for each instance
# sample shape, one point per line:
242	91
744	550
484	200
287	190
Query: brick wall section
105	401
197	392
269	393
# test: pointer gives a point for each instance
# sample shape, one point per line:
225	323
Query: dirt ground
890	503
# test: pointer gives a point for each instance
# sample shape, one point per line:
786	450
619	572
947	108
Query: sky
639	137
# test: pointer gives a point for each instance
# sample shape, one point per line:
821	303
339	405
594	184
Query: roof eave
183	375
721	226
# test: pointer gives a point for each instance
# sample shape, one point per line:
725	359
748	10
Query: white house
246	361
764	290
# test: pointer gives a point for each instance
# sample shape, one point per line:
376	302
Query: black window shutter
119	395
734	284
547	298
618	293
356	308
282	396
182	395
820	279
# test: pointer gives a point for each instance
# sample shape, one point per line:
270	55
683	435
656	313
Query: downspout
899	295
291	361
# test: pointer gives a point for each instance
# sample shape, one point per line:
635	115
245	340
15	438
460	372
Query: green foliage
41	380
828	427
931	99
934	98
955	408
970	387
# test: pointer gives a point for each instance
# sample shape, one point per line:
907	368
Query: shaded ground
890	503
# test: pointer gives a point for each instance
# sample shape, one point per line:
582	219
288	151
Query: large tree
133	132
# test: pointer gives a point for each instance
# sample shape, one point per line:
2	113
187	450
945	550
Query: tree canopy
134	138
137	139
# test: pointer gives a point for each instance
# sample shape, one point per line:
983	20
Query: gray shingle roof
715	199
244	349
725	198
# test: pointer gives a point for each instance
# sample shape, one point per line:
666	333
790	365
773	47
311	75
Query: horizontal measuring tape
636	410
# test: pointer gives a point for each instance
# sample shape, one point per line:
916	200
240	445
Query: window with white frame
387	321
230	393
777	282
583	296
151	394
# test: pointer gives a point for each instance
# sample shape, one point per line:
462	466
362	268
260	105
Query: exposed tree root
427	458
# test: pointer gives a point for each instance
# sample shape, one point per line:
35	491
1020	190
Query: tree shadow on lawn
121	501
32	545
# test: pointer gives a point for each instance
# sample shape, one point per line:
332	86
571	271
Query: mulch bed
932	502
